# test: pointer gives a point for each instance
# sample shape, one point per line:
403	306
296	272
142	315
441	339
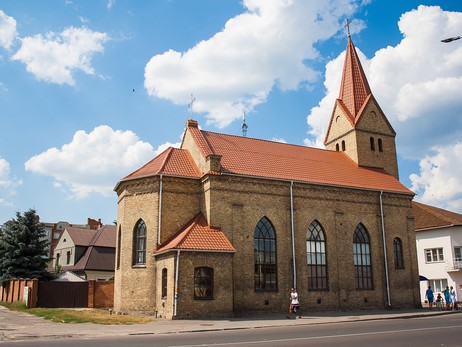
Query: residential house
88	253
439	248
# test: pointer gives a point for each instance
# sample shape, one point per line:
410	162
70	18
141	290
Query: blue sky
92	90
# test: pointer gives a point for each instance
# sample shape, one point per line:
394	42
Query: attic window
64	240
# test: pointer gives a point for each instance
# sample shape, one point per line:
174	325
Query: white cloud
417	83
7	30
8	184
93	162
55	57
265	47
440	181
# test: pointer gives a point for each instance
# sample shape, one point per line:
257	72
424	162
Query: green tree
23	248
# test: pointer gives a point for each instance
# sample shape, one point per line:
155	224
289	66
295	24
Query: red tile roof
430	217
172	161
197	235
261	158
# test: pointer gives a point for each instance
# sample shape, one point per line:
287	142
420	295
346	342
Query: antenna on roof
190	105
244	126
347	25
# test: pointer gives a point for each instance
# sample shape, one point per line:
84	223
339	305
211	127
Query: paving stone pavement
18	326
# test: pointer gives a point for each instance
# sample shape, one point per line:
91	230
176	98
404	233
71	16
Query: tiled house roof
197	235
273	160
172	161
429	217
100	252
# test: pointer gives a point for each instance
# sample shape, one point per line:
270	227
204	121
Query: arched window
264	245
203	283
398	253
164	283
119	236
372	144
139	243
380	145
343	146
362	258
337	147
316	257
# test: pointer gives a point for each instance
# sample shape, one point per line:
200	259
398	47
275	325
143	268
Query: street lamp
450	39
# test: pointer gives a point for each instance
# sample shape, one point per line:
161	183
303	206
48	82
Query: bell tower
358	125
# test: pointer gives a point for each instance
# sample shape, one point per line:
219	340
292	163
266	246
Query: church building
229	224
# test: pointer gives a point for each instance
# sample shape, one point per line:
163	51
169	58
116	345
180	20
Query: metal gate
62	294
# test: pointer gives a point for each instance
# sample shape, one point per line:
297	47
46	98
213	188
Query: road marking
323	337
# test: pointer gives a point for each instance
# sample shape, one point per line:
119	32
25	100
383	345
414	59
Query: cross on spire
347	25
190	105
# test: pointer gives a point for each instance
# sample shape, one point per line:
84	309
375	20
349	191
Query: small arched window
380	145
139	244
343	146
372	144
337	147
398	253
119	242
164	283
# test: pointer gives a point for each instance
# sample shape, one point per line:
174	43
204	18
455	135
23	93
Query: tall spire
354	89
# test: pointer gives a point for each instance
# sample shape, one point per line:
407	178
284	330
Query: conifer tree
23	250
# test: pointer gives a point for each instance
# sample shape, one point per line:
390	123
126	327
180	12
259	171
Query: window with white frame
434	255
438	285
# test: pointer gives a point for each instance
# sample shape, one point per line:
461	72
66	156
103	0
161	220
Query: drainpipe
175	302
385	250
160	211
292	231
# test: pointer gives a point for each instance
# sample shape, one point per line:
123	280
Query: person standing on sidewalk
452	298
447	297
294	304
429	296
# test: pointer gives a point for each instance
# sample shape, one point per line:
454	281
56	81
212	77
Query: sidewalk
15	326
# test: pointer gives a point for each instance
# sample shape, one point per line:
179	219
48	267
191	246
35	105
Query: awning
422	278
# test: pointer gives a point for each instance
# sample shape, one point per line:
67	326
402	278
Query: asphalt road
423	332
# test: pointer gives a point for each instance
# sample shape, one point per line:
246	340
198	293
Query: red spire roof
354	90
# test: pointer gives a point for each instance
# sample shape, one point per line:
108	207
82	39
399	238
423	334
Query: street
428	331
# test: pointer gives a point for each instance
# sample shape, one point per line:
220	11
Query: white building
439	248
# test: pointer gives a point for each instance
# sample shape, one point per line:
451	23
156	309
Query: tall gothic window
380	145
203	283
316	257
139	244
398	253
362	258
372	144
264	241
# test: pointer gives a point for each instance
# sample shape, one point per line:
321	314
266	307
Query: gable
340	123
372	119
68	243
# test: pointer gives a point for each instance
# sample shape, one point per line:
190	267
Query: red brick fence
96	294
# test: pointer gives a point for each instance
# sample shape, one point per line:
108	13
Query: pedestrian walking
294	304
